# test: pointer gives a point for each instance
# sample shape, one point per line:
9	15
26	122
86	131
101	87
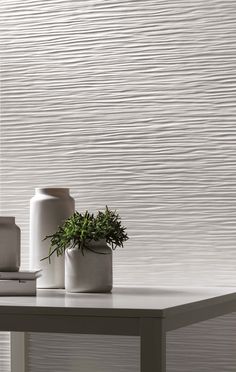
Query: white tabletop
131	301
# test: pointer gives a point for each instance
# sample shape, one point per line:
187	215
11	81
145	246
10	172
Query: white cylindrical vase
9	244
49	208
89	271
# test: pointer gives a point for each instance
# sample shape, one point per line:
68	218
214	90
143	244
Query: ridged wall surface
130	104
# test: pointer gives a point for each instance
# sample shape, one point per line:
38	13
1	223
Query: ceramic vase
89	271
9	244
49	208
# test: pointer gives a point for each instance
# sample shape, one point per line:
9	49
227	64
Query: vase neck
53	191
6	220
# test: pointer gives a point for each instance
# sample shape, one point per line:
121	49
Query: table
145	312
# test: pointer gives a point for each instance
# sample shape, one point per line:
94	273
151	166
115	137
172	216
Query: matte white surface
49	208
89	271
130	103
158	299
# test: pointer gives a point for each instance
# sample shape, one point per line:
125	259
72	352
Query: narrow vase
49	208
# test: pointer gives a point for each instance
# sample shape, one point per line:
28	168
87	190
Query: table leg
153	345
18	351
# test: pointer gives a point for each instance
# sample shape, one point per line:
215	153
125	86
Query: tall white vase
49	208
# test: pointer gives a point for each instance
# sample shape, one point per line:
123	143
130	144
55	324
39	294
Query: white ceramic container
9	244
49	208
91	272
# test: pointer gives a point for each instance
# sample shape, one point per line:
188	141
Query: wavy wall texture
130	104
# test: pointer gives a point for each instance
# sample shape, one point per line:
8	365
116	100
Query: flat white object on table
21	274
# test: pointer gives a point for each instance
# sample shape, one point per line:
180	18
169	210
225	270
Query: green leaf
81	228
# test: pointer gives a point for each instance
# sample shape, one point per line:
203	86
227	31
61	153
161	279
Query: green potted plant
87	240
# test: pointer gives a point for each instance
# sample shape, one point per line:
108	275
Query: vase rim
7	219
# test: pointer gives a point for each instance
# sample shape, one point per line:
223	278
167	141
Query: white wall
131	104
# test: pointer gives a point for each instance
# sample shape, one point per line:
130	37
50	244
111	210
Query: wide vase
49	208
90	270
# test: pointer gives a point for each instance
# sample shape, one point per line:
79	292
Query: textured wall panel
204	347
4	352
131	104
85	353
